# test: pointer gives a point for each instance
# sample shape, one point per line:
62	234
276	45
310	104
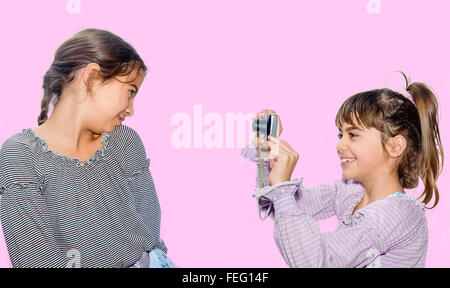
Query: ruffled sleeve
302	245
25	220
317	201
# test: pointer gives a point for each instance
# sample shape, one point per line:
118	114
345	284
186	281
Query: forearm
297	234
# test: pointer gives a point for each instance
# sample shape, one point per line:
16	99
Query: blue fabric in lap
159	259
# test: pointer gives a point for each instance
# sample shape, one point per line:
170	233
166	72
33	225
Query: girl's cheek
123	102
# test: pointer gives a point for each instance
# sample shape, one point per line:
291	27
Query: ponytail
431	146
412	114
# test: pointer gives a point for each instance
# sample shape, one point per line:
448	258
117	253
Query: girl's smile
347	161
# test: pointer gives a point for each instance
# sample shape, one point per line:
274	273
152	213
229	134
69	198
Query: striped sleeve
317	201
26	225
302	245
147	204
136	164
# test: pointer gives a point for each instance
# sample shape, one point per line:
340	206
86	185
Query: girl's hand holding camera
282	157
284	162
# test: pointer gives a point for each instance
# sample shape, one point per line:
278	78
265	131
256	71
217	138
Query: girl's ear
396	146
90	73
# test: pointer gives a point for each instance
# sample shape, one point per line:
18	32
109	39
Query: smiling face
112	101
361	152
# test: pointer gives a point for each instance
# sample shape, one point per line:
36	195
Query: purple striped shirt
390	232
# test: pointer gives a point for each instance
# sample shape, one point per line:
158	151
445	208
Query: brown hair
392	114
114	56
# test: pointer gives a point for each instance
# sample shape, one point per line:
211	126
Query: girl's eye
351	135
132	93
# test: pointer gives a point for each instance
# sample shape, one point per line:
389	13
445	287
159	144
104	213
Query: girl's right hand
284	161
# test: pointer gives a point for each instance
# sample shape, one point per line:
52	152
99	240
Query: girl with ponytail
76	191
388	140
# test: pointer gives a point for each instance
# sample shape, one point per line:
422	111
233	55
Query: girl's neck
377	188
65	127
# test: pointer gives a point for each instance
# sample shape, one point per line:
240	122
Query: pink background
300	58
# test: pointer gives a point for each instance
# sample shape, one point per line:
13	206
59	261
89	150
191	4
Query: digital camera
266	125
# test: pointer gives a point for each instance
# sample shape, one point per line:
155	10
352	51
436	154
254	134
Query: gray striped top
58	211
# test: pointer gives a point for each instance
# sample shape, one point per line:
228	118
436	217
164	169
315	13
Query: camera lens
260	126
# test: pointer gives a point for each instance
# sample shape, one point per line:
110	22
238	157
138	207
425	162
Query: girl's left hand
283	162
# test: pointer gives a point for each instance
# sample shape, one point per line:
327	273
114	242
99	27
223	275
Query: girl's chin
348	175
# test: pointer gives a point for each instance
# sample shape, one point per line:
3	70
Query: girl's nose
129	110
340	146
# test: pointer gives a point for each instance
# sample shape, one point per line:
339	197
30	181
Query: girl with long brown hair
387	141
76	191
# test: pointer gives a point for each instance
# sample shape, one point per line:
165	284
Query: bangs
360	110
